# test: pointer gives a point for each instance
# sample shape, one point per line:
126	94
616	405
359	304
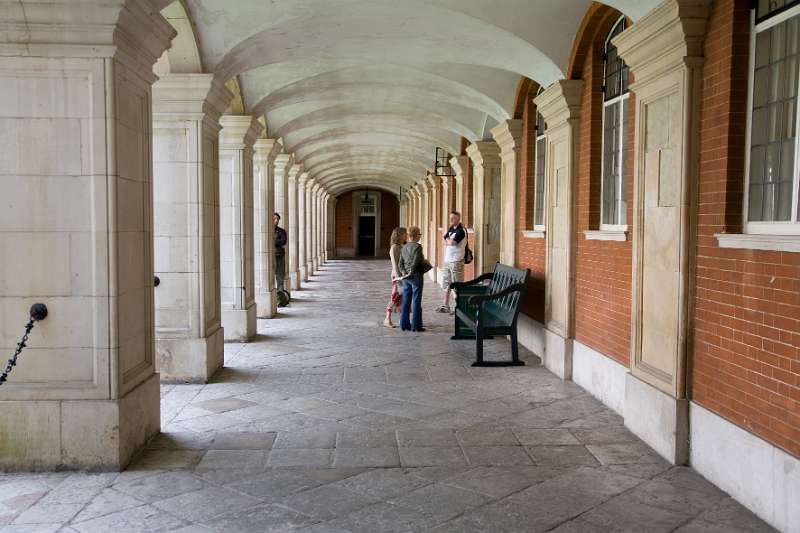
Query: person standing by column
455	241
280	253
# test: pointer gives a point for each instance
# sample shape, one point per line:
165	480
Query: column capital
560	102
432	180
671	34
459	163
267	150
239	131
283	163
131	31
302	178
294	171
484	153
446	181
316	188
192	96
508	134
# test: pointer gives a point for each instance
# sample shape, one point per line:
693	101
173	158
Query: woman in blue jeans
411	260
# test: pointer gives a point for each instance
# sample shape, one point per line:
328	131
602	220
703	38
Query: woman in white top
398	240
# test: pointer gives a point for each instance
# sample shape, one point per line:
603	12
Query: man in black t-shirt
280	253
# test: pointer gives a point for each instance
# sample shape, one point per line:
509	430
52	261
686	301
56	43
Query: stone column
447	204
239	133
315	209
77	231
189	336
559	104
487	202
460	164
664	51
292	226
331	227
282	166
424	215
302	226
432	234
309	230
508	135
266	150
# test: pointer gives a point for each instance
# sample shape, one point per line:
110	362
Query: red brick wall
603	268
530	252
746	358
344	221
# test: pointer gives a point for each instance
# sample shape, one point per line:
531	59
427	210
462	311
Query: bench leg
515	349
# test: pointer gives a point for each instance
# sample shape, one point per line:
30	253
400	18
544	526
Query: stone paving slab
329	423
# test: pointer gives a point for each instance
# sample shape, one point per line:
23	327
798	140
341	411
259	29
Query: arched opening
364	222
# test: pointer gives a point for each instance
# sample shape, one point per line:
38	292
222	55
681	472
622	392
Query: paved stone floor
330	423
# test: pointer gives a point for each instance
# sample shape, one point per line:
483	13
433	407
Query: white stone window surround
771	236
534	234
607	234
618	231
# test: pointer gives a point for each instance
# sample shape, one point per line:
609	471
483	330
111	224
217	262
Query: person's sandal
443	309
388	324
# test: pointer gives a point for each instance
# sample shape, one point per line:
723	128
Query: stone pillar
432	224
559	104
266	150
293	245
447	203
330	233
508	135
189	336
315	209
459	163
309	230
487	202
424	196
282	166
302	226
239	134
77	231
664	51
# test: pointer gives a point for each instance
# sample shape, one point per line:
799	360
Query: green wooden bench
487	309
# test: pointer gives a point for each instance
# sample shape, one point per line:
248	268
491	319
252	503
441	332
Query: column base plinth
190	360
296	280
99	435
658	419
266	304
239	324
558	354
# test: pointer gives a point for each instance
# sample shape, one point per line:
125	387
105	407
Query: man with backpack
455	240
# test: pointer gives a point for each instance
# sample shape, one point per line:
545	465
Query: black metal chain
38	312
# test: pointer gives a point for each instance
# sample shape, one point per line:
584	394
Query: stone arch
183	55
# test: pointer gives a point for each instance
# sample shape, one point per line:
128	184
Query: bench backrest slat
504	276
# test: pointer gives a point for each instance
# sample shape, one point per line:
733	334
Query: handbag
424	266
468	256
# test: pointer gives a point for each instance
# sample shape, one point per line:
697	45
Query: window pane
773	122
538	209
610	177
615	78
622	200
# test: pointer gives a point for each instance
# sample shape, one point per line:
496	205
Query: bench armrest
478	299
483	277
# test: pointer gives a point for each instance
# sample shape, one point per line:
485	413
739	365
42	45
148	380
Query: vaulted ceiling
363	91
